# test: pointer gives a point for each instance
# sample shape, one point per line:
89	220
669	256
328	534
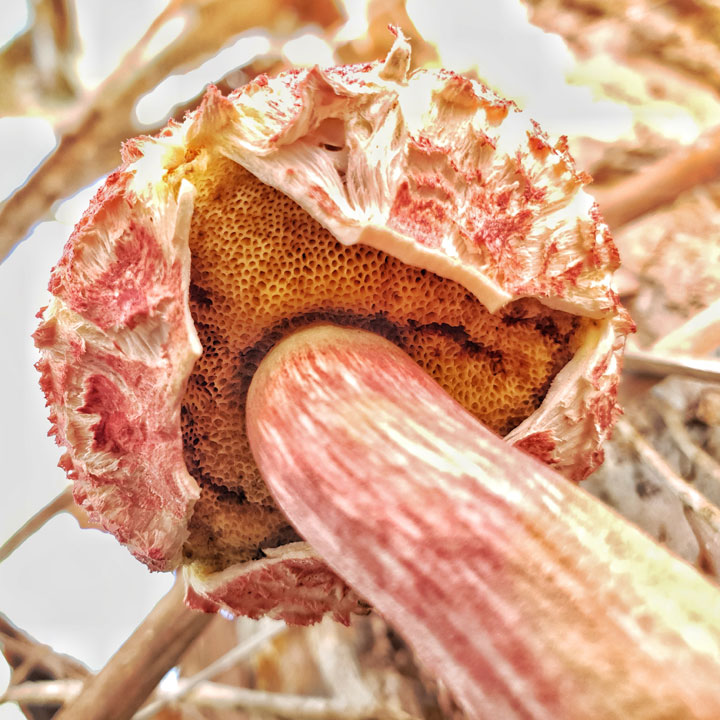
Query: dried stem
649	362
699	335
660	183
295	707
702	516
91	146
338	664
28	658
37	68
232	657
60	504
675	354
220	697
124	684
524	594
706	464
43	692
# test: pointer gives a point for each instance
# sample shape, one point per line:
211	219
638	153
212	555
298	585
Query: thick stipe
524	594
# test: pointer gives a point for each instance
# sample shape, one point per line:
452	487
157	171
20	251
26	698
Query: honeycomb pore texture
261	268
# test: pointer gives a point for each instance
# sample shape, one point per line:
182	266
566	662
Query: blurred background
634	84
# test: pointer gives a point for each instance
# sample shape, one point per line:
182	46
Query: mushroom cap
428	171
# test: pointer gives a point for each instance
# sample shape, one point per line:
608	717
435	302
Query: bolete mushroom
418	206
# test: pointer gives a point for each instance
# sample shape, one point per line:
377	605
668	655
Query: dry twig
43	692
702	516
705	463
124	684
295	707
699	335
649	362
234	656
60	504
221	697
660	183
31	661
37	73
90	147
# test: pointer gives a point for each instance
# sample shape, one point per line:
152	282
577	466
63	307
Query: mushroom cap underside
421	207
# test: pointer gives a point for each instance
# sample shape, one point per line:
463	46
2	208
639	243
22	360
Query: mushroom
418	206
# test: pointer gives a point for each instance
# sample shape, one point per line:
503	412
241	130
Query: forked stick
524	594
124	684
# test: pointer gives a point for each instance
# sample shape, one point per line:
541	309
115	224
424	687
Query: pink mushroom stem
523	593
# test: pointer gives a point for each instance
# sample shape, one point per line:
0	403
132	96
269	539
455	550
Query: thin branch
487	562
706	463
91	146
221	697
295	707
649	362
338	664
37	68
228	660
660	183
59	504
29	658
124	684
679	487
702	516
56	43
43	692
671	354
699	335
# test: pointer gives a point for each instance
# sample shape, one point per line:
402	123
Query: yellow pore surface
262	267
